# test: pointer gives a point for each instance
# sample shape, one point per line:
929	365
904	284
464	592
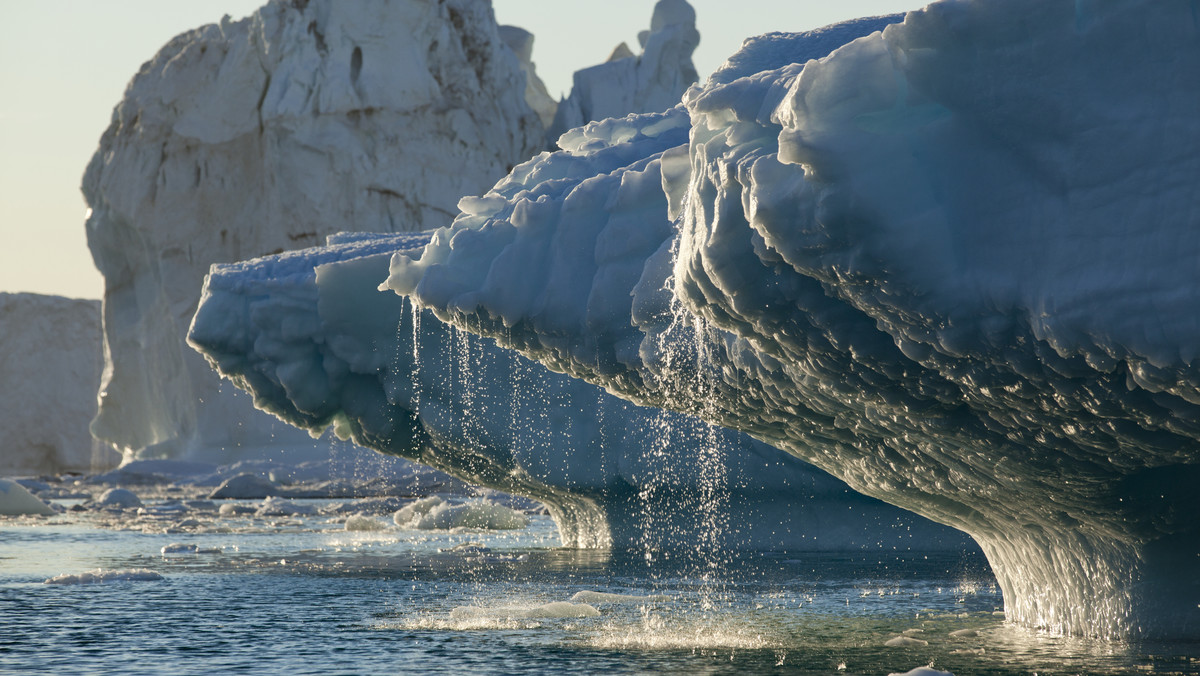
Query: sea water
179	590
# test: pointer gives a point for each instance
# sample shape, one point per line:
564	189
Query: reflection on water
303	595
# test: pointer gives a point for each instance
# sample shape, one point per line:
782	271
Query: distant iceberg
952	263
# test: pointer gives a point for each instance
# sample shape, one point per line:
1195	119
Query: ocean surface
195	591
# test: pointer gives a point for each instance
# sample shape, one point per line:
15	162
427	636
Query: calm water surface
301	595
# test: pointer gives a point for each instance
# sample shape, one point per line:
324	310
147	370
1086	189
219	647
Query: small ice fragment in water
180	548
604	597
231	509
16	500
358	522
905	642
434	513
100	576
118	497
964	633
245	487
549	610
274	506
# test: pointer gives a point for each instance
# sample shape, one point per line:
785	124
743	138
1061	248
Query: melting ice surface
311	336
953	263
272	593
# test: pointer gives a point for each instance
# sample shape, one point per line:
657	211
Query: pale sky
64	65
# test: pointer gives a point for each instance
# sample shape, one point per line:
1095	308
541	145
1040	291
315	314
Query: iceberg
952	263
648	82
315	341
51	366
243	138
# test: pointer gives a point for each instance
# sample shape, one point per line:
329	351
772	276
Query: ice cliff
953	263
249	137
50	366
319	345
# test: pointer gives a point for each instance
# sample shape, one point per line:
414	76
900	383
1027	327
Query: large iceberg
249	137
953	263
319	345
50	366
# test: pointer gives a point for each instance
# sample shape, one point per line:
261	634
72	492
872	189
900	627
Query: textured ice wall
520	41
316	342
952	263
649	82
50	365
244	138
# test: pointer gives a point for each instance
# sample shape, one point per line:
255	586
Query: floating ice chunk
170	509
416	509
604	597
274	506
246	487
964	633
905	642
230	509
549	610
100	576
120	498
16	500
358	522
922	671
434	513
